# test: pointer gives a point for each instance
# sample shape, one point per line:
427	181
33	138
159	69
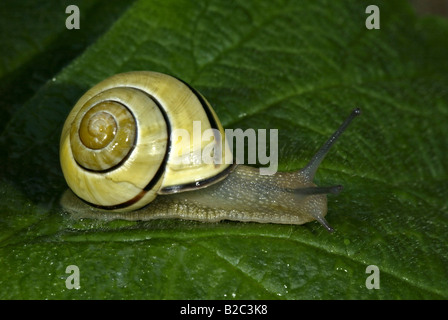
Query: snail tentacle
312	166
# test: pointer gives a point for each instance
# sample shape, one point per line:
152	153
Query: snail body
117	156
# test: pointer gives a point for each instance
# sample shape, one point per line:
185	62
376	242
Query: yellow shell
116	151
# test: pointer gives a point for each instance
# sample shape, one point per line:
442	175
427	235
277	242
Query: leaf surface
295	66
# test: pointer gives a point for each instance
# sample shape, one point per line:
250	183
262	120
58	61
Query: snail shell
115	149
117	155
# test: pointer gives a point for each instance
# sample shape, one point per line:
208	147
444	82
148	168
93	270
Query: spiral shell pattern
115	149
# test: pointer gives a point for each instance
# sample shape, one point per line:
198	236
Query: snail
117	156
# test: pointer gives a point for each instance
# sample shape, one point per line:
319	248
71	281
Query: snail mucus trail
138	110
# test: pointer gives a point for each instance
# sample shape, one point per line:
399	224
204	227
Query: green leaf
37	43
297	66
